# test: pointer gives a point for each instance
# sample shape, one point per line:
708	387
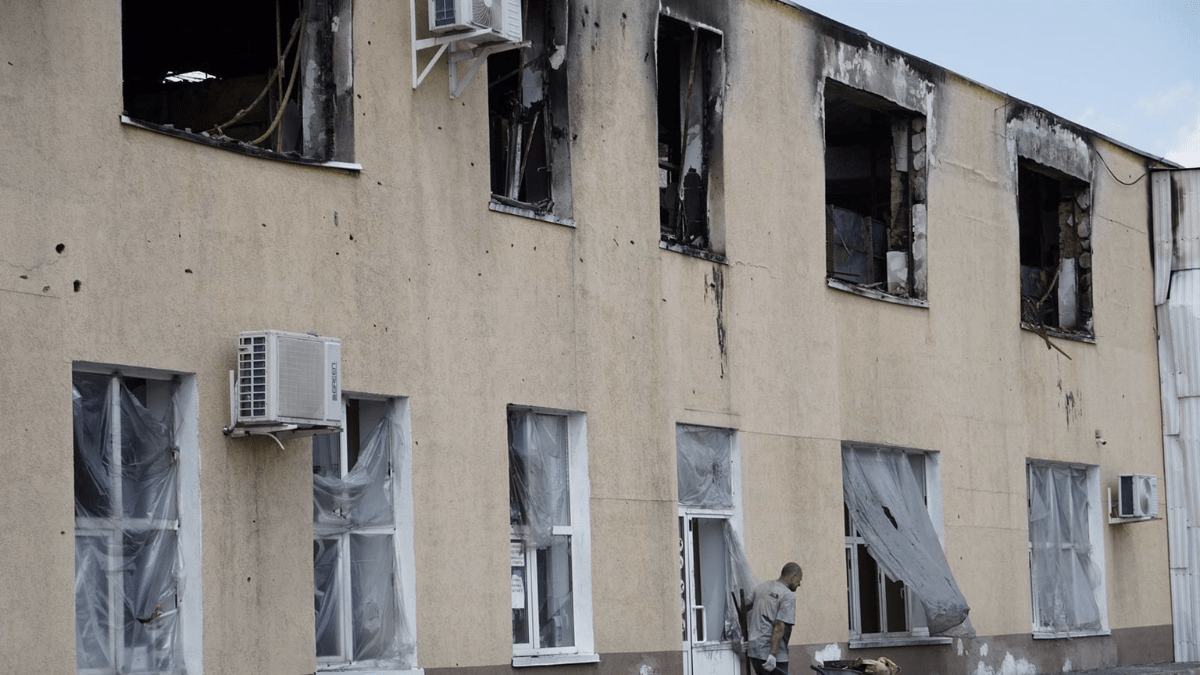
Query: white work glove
769	664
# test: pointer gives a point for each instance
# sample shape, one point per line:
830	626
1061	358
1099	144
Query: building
665	286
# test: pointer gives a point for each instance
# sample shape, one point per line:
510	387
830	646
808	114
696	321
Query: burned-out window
527	115
875	163
689	88
1056	251
269	77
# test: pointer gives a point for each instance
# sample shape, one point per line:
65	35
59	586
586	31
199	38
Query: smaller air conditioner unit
1137	495
502	18
288	378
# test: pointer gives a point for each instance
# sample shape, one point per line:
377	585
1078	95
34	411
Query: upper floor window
528	118
269	78
136	513
363	578
1056	250
549	537
875	177
690	85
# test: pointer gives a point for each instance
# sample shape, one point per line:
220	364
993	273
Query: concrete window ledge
553	660
1071	635
501	207
875	294
899	642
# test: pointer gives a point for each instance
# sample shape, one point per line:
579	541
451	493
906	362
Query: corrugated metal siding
1186	186
1164	234
1184	306
1175	209
1166	372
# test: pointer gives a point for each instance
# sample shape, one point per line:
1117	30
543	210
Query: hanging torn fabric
886	505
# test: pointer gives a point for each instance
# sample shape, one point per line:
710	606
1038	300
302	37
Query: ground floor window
134	613
1066	554
361	555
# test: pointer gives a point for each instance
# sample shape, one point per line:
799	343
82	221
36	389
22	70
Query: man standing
770	621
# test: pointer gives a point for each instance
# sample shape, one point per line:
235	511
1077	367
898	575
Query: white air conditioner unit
288	378
1137	496
502	18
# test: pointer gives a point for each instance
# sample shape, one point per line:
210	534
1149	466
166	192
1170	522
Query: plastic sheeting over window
127	562
885	504
704	466
540	524
356	574
1064	573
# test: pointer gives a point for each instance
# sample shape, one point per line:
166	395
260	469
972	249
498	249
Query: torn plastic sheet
740	580
1064	575
539	490
886	505
354	520
127	571
539	501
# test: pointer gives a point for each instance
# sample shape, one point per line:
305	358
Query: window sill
237	146
1059	333
1070	634
876	643
530	213
360	670
553	660
840	285
694	252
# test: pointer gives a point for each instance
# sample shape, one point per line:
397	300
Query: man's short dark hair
790	569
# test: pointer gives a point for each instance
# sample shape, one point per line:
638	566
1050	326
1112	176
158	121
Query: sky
1129	70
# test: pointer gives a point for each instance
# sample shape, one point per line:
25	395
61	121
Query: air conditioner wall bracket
471	54
277	432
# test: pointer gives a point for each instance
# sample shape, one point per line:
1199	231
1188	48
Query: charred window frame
271	79
1056	252
528	118
875	180
690	76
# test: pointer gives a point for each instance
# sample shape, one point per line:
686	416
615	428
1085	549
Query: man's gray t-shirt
772	602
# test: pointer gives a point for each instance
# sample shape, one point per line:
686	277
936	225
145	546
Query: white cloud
1186	148
1182	95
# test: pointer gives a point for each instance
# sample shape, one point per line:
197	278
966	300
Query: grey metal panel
1189	444
1160	212
1184	306
1177	521
1166	372
1186	213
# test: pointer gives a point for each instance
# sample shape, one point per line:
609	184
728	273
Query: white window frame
402	540
687	517
1095	540
188	523
918	632
580	533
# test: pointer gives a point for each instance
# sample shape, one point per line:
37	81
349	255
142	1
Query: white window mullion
344	595
533	610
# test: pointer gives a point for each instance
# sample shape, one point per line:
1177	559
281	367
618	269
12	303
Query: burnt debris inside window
269	78
527	115
689	87
1056	251
875	164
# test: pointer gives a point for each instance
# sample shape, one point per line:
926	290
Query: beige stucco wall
178	246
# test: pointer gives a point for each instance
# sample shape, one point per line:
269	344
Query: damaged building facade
686	289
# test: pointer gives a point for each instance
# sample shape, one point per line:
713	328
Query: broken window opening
272	80
527	115
689	88
1055	241
875	164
